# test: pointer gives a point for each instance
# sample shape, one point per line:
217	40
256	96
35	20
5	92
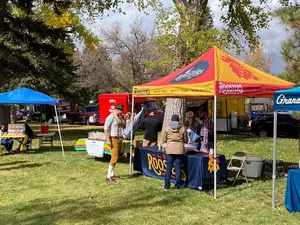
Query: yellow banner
182	90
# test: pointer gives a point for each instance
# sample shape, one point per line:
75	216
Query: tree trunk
30	113
174	106
13	114
192	17
4	115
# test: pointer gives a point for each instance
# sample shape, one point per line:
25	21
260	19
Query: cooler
253	166
44	129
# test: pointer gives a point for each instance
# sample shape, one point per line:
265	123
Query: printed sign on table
95	148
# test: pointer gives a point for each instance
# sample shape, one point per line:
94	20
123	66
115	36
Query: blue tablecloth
292	194
197	168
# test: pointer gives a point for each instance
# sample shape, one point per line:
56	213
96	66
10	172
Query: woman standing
174	138
193	129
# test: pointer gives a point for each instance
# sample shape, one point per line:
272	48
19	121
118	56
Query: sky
271	38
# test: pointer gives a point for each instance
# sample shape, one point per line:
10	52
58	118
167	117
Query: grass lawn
44	188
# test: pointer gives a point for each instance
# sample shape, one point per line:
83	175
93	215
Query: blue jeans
171	158
8	143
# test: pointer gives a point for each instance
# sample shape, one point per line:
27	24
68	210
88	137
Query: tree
135	60
184	34
259	60
32	54
94	69
242	20
290	49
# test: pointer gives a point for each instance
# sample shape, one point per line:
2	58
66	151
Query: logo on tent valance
282	100
238	69
197	70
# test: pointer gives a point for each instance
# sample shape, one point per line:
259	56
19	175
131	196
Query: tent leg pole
131	136
215	147
274	160
58	127
299	150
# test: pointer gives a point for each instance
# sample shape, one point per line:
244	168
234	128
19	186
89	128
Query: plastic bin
253	166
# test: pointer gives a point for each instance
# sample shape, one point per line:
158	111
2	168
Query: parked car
263	125
88	115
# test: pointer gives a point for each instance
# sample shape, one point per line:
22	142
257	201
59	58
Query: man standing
152	127
207	130
113	129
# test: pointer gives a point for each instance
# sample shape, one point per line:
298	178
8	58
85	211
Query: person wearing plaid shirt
207	129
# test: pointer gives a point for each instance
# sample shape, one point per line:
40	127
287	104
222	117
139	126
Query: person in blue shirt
6	142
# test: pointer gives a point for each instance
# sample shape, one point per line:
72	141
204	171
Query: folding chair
239	158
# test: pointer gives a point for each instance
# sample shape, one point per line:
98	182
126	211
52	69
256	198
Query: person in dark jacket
25	140
152	127
173	139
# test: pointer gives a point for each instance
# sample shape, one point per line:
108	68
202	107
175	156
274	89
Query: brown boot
110	180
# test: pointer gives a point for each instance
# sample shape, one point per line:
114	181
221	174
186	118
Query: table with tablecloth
292	194
197	169
82	146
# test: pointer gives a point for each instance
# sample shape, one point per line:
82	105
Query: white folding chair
236	164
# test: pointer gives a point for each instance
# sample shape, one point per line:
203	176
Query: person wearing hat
113	129
174	138
207	130
152	126
193	129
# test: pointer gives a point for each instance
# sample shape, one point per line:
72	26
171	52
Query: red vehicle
107	104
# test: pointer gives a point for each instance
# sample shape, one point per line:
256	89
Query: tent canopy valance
26	96
215	73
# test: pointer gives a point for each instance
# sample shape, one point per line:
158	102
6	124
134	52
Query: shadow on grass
133	176
44	149
85	210
33	165
235	137
12	163
290	165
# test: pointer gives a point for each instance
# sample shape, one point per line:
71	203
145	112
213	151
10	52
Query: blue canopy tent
284	100
26	96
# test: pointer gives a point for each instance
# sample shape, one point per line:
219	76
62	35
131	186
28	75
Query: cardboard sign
95	148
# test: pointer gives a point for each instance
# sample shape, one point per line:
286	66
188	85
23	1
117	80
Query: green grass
44	188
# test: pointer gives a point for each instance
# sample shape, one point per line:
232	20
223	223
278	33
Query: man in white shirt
113	129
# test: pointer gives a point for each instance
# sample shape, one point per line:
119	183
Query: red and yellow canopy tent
215	74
